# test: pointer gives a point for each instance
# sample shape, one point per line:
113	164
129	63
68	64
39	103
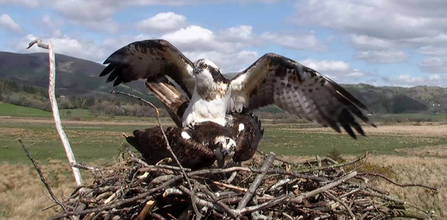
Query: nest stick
168	146
42	177
324	188
342	203
335	165
396	183
255	184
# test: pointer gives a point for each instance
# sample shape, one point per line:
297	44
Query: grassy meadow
416	152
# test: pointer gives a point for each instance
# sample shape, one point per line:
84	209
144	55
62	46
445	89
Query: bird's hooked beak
225	151
196	71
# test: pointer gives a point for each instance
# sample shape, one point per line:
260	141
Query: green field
11	110
93	140
20	111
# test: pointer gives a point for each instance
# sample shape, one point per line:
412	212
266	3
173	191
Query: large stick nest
264	188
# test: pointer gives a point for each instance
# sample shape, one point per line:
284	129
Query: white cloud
382	19
50	23
434	64
340	71
27	3
167	21
407	80
227	62
113	44
378	25
367	43
107	25
85	10
297	41
433	50
196	38
356	73
238	33
387	56
327	66
7	23
85	49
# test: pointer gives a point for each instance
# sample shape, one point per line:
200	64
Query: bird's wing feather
298	90
248	138
150	59
152	145
172	99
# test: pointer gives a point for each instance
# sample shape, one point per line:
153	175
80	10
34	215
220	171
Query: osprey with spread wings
201	93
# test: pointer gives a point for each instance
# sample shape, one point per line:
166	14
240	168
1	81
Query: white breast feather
200	110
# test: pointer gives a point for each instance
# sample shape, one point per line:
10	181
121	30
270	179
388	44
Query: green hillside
78	79
19	111
397	100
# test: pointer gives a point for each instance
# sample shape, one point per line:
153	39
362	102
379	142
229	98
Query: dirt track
392	130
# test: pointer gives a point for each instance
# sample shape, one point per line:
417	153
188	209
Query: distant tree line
379	100
37	97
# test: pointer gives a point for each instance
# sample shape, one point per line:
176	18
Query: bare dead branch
255	184
300	198
342	203
55	109
42	177
396	183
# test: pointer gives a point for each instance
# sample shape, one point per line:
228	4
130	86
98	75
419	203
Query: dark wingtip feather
346	120
348	129
118	81
107	70
112	76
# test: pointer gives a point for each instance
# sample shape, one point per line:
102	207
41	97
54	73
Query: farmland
415	151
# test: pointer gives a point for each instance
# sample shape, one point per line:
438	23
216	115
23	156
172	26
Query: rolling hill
80	77
74	76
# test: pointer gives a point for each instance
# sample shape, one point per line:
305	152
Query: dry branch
255	184
398	184
302	197
42	177
55	109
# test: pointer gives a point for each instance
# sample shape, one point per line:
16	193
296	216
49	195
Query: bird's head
226	147
207	72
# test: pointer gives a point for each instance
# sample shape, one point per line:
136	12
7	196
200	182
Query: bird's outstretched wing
150	59
298	90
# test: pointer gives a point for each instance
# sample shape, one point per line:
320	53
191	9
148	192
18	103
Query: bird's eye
204	66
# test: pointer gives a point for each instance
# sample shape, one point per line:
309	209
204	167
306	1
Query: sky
377	42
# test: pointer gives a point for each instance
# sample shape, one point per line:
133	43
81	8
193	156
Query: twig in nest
342	203
324	188
168	146
255	184
85	167
364	156
396	183
229	186
146	210
42	178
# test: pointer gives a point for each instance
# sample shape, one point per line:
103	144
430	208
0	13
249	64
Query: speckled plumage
272	79
195	148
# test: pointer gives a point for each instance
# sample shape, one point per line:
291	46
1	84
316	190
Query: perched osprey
200	147
272	79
